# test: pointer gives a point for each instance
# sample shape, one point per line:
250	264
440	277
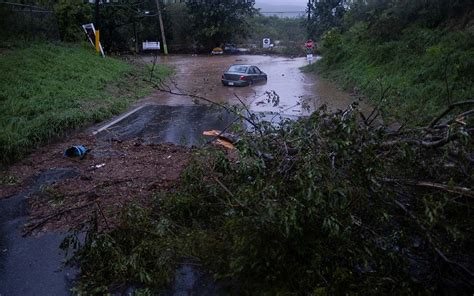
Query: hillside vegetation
46	90
412	59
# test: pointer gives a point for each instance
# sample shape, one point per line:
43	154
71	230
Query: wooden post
97	41
97	26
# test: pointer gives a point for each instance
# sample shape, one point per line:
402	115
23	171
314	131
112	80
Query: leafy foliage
325	15
325	205
421	51
217	22
71	14
125	26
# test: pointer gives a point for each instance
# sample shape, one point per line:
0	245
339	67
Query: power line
282	11
24	5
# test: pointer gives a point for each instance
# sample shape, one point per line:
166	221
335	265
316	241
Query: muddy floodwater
173	115
32	265
299	93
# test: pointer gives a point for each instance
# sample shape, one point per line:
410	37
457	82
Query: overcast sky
284	2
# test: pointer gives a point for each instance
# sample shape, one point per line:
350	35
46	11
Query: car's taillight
223	77
243	77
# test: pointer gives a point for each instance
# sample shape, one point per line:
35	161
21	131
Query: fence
27	22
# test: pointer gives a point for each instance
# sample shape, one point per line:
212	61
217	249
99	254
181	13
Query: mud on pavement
113	174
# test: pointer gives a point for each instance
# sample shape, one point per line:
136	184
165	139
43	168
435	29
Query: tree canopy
217	22
385	18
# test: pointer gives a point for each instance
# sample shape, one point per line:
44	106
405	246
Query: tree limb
449	109
422	143
428	237
451	189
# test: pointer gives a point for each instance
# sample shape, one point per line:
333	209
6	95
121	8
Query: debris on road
232	138
226	140
115	173
76	151
225	144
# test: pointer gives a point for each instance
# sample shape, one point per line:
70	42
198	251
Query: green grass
47	90
424	69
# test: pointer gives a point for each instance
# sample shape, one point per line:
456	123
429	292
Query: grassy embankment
422	69
47	90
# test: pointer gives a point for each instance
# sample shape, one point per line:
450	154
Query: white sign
151	45
89	29
266	42
309	57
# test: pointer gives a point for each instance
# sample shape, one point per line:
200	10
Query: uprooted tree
329	204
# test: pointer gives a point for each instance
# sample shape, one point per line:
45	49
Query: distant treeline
125	24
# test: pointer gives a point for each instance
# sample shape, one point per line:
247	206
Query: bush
425	69
322	206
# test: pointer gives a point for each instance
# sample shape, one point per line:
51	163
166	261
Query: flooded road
299	93
26	269
173	116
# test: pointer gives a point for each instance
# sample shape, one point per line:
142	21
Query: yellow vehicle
217	51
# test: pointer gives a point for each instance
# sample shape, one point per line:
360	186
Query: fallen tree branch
422	143
449	109
376	111
451	189
428	237
460	117
103	215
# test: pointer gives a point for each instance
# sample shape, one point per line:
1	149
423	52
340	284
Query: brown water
201	75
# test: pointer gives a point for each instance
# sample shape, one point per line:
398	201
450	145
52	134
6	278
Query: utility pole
162	28
97	15
309	11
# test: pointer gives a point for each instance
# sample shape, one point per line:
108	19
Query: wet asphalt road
180	125
32	266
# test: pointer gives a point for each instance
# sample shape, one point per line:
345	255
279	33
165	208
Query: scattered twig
223	186
102	214
446	79
449	109
52	216
459	117
451	189
228	192
376	111
155	58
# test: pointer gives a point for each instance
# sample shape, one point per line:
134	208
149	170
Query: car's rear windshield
238	69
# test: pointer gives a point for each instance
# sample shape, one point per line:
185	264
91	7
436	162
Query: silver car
243	75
